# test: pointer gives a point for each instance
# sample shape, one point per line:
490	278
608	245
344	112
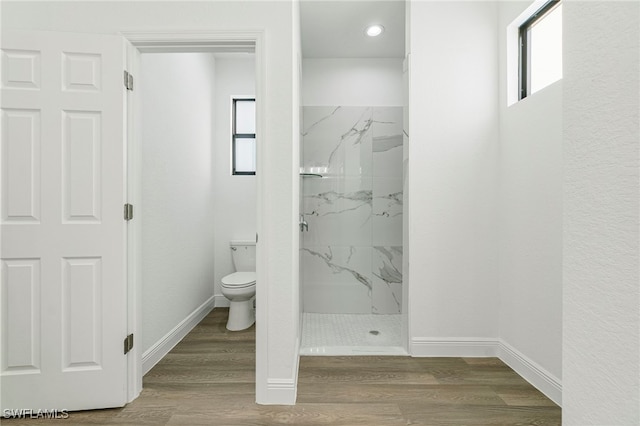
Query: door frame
173	41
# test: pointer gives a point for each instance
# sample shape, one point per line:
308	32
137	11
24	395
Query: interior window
541	49
243	137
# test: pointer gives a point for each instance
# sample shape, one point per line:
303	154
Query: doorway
174	175
192	205
354	280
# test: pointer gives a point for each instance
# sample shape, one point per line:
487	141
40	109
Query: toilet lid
239	279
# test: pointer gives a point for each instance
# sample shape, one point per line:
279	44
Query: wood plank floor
209	379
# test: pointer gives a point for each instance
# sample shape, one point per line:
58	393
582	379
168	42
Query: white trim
262	266
134	273
281	392
532	372
469	347
195	41
163	346
454	347
296	367
284	391
235	41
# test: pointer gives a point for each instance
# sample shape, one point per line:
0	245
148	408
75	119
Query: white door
63	299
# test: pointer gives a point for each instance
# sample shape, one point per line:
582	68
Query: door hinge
128	343
128	211
128	81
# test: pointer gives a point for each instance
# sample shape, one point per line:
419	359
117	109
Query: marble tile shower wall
352	252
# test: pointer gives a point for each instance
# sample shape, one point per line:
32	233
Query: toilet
240	287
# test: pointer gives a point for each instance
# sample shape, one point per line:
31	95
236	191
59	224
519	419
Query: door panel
81	146
21	165
21	294
63	233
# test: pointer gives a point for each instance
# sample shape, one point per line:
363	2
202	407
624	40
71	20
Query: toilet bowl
240	286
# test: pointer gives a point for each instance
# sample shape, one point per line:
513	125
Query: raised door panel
21	321
82	314
21	69
82	72
21	186
81	165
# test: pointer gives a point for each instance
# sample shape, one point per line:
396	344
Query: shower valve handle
304	226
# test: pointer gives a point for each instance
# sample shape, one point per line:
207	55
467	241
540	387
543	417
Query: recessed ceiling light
374	30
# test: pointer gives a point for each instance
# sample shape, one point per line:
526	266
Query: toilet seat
239	280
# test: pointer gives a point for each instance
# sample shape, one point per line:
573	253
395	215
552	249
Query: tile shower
351	256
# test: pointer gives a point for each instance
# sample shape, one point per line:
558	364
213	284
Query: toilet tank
243	254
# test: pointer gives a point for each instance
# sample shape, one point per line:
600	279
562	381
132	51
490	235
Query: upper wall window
541	49
243	138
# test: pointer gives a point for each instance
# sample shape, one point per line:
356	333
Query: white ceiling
335	29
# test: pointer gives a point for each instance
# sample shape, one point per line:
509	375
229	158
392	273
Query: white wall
601	303
352	82
530	215
278	313
485	224
177	211
235	196
453	126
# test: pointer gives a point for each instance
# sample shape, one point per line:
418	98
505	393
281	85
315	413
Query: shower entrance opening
351	230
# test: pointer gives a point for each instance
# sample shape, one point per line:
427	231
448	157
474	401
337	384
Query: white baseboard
284	391
162	347
454	347
281	392
221	301
296	365
533	373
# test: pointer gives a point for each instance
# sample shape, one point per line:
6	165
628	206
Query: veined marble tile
387	211
338	211
337	279
338	140
337	265
387	121
386	295
351	259
387	141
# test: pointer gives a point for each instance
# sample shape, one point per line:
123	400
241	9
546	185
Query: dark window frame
235	136
524	72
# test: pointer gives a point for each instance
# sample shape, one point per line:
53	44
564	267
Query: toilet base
241	315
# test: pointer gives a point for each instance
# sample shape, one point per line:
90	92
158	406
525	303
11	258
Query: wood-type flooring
209	379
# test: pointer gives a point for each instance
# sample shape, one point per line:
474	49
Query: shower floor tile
351	334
